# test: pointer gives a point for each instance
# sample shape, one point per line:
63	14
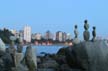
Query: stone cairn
76	40
86	33
20	45
21	62
94	33
19	55
12	50
76	31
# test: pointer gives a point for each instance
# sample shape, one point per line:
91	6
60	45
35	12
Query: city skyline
55	15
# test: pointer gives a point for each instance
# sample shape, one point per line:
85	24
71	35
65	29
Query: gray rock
86	35
76	41
29	61
46	69
49	64
19	57
88	56
5	61
65	67
11	50
2	45
19	48
21	67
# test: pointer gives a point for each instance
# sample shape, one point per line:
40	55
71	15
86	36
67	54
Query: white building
59	36
27	33
69	36
37	36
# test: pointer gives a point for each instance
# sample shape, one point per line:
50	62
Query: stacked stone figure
86	33
12	52
76	40
20	46
19	54
76	31
94	33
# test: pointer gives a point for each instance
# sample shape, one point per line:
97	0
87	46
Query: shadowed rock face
88	56
5	61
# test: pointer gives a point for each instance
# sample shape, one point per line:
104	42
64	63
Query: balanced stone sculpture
76	31
5	61
94	33
76	40
12	52
86	33
20	46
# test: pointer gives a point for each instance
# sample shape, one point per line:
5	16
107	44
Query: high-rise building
64	36
59	36
27	33
48	35
21	34
37	36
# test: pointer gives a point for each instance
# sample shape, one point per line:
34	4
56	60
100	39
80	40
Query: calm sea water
47	49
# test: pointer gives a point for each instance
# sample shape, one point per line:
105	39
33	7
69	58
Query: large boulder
2	45
49	64
30	59
5	61
88	56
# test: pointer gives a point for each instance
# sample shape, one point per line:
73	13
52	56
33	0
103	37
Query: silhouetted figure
94	33
76	31
76	40
86	25
86	33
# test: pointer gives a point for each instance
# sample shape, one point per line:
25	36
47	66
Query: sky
55	15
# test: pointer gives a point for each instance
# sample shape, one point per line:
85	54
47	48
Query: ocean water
46	49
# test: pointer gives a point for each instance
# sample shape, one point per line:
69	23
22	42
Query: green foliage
5	35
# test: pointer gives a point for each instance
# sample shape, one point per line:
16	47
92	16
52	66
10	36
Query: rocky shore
54	62
84	56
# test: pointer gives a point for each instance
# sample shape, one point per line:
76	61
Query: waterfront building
59	36
27	33
38	36
48	35
64	36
